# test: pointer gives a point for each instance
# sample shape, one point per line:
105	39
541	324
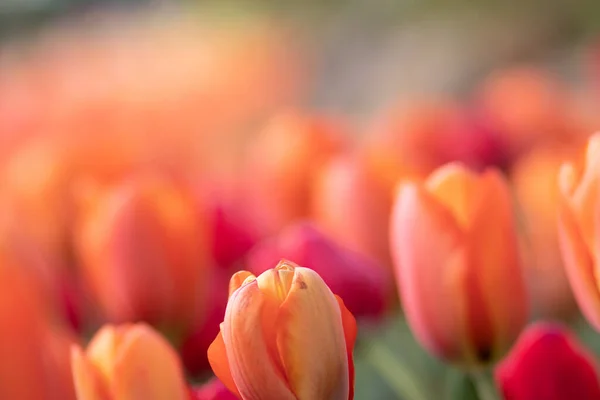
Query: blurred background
225	101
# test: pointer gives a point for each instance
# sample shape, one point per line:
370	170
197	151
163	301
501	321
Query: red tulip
359	281
548	363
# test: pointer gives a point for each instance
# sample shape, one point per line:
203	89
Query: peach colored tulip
34	352
578	226
458	269
285	336
128	362
143	251
281	165
534	181
352	204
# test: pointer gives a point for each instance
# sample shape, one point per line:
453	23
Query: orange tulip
578	228
282	164
34	353
534	181
143	251
128	362
457	263
285	336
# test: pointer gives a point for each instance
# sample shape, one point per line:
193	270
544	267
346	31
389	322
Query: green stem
396	375
486	390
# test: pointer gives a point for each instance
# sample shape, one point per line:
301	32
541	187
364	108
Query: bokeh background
183	87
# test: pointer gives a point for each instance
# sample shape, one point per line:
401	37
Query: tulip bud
285	336
282	164
143	253
353	205
548	363
578	228
457	264
128	362
361	282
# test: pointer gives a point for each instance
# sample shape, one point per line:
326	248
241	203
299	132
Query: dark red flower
548	363
358	280
212	390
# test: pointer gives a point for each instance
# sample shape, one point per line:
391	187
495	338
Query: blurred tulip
194	346
143	250
232	238
578	228
458	269
285	336
282	164
128	362
34	353
534	182
212	390
361	282
425	135
352	204
524	105
548	363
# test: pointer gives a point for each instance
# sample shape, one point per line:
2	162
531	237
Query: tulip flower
34	351
282	164
534	182
548	363
143	252
212	390
578	226
524	105
352	204
427	134
285	336
128	362
360	281
457	264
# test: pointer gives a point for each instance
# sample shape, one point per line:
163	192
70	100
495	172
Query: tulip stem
484	386
396	375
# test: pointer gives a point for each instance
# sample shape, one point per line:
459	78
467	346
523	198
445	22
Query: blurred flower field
218	203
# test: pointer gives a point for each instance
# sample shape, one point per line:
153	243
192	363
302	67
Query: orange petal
429	263
350	331
238	279
311	340
87	381
148	368
578	264
217	357
252	369
454	185
498	301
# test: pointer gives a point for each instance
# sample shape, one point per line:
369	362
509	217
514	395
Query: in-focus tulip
285	336
352	204
578	228
534	182
361	282
458	269
128	362
548	363
34	352
212	390
143	250
282	164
